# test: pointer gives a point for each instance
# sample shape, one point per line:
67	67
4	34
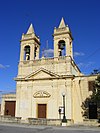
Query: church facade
48	87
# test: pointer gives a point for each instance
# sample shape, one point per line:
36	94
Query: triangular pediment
42	74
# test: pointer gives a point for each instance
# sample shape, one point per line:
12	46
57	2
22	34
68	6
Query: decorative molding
41	94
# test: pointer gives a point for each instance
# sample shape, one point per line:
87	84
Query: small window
91	85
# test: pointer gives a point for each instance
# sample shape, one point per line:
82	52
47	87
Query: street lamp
64	117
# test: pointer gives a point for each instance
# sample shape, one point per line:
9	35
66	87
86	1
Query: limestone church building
42	83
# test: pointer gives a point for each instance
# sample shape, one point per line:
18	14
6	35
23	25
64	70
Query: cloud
7	66
78	54
4	66
85	65
48	52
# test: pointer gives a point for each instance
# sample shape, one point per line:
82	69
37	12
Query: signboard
61	110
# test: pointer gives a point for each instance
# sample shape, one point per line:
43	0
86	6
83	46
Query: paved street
12	128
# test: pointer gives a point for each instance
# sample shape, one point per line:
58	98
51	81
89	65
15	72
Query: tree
94	98
96	71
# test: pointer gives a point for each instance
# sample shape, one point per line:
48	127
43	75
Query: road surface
15	128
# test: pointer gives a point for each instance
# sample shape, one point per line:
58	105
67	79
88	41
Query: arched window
27	53
61	47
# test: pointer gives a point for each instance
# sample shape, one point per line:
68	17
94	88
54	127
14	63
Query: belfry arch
27	52
61	48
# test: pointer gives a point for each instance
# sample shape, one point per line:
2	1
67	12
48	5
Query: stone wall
49	122
41	121
9	119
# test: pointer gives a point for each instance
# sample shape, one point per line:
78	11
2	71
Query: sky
82	16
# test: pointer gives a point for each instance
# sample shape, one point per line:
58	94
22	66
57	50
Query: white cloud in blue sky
78	54
4	66
48	52
85	65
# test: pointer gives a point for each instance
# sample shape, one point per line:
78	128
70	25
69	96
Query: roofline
94	75
52	78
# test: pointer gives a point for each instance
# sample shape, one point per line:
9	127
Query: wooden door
41	110
10	108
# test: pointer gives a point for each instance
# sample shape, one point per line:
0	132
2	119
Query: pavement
25	128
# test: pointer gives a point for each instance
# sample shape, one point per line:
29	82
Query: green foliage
96	93
95	71
94	98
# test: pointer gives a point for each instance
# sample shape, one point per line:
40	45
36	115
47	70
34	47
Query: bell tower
62	40
30	45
